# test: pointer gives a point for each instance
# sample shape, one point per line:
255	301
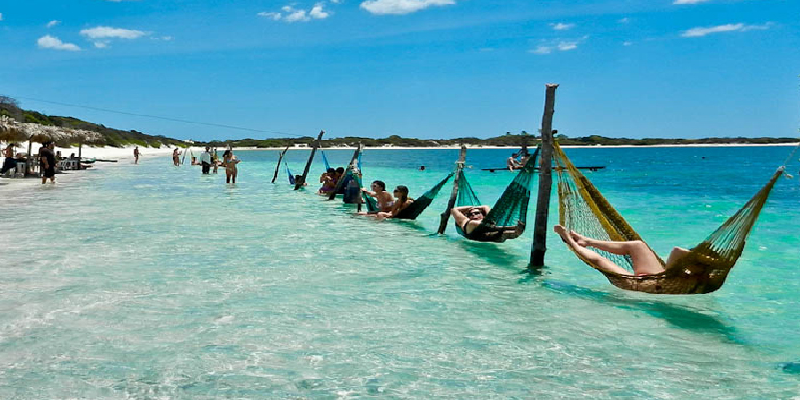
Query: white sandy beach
107	152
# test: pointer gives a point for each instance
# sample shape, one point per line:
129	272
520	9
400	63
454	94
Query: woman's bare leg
598	260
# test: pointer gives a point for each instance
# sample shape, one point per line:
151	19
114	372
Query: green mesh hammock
415	209
583	208
507	218
412	211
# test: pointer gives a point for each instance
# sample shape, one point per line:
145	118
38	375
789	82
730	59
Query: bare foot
562	231
579	238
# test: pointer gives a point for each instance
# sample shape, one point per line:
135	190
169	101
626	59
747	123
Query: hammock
420	204
507	218
289	172
325	160
703	270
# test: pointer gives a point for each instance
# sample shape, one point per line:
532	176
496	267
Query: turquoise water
151	281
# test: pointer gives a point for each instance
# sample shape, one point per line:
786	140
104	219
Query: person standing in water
176	160
230	162
205	160
48	161
136	155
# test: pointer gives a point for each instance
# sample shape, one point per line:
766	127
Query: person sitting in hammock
328	180
385	200
402	202
469	219
643	259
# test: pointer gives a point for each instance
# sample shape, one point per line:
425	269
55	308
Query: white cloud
689	1
101	44
401	6
624	20
1	16
298	15
567	45
50	42
272	16
336	1
562	26
627	43
562	45
542	50
295	15
740	27
53	23
109	33
317	12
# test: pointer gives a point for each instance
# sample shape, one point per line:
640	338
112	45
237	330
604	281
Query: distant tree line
118	138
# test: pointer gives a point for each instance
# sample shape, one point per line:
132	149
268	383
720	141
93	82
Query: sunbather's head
340	170
331	171
475	214
401	193
378	185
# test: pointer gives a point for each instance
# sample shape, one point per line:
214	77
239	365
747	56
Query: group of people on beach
47	158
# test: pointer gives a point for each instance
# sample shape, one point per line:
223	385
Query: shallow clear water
151	281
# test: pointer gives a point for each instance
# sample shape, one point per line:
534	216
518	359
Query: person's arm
458	215
370	193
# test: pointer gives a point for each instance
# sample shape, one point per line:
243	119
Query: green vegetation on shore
119	138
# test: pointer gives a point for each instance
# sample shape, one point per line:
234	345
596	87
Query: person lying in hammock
469	219
644	261
402	202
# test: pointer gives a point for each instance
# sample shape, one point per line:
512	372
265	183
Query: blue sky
415	68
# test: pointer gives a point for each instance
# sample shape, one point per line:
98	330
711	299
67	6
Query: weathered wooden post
278	166
299	183
545	179
462	158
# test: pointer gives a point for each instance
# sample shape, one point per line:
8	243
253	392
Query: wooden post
462	158
299	183
545	179
278	166
340	182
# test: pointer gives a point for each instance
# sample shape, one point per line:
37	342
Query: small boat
590	168
104	160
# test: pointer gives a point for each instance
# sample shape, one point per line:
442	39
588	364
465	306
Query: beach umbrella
10	130
86	137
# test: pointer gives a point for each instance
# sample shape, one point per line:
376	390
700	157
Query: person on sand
136	155
643	259
402	202
176	157
229	161
328	180
48	161
385	200
469	219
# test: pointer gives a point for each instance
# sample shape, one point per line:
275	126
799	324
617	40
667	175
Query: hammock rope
583	208
509	212
325	160
419	205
